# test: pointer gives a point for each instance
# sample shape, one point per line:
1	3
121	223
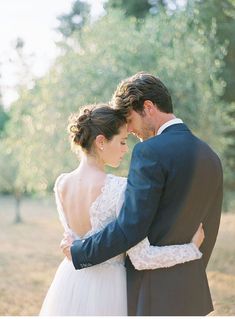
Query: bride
88	199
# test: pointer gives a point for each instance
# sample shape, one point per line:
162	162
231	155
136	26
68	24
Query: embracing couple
137	246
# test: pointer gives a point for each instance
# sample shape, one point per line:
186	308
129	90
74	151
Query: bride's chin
114	165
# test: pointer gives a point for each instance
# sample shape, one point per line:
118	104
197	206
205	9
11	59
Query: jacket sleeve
212	221
144	188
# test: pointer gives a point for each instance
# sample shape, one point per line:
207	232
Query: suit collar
176	127
169	123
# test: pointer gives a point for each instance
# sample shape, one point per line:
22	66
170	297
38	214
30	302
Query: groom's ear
149	107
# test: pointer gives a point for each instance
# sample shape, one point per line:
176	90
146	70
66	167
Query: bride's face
115	149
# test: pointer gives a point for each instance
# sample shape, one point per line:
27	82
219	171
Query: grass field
30	254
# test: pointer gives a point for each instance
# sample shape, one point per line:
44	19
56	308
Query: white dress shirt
167	124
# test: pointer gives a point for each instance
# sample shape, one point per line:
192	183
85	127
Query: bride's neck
92	163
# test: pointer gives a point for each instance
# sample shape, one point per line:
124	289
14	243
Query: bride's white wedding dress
101	290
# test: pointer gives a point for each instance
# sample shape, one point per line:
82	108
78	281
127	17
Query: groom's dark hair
132	92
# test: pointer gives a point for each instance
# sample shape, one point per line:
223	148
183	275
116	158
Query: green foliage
221	16
75	20
221	13
229	156
88	71
11	181
136	8
140	9
34	140
4	117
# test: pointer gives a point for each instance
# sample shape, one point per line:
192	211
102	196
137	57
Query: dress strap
59	205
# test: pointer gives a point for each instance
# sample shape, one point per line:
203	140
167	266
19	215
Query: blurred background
58	55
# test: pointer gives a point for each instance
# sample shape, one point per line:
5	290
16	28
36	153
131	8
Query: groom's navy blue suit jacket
174	183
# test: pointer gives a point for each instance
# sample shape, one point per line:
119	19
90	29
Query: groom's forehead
132	115
129	117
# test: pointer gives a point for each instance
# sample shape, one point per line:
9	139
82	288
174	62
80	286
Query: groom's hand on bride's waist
66	244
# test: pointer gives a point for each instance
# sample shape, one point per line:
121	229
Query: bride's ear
99	141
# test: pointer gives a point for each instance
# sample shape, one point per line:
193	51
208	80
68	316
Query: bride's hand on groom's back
66	243
199	236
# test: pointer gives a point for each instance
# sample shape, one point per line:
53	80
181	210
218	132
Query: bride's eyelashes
124	141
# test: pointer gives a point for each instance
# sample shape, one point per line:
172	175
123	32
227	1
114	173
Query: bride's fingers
66	250
64	244
66	236
69	238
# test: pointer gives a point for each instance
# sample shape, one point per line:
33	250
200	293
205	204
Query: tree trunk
18	218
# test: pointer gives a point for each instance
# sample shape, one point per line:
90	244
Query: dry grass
29	256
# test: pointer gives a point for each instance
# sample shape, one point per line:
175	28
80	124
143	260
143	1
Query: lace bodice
106	208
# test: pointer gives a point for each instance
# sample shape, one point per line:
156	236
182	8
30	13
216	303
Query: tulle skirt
95	291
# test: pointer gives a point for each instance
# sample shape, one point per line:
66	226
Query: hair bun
91	121
79	128
86	116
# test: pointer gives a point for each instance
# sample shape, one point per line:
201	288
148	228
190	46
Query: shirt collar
167	124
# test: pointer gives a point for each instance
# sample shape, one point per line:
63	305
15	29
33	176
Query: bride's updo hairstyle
91	121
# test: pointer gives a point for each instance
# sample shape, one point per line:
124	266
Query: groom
174	184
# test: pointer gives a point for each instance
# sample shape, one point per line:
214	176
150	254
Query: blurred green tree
3	113
75	19
142	8
221	14
135	8
93	62
31	156
9	182
4	116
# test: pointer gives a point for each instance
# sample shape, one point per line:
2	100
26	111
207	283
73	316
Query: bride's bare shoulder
63	180
78	178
